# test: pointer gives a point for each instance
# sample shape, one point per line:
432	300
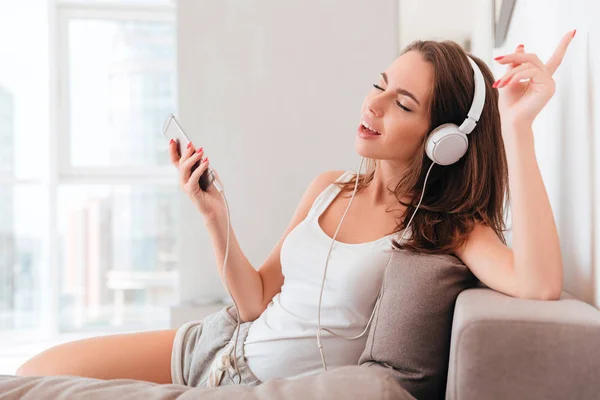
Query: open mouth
367	130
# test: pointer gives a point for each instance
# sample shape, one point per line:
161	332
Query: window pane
24	88
7	133
22	217
121	86
118	256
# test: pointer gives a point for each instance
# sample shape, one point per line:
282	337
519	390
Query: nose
375	105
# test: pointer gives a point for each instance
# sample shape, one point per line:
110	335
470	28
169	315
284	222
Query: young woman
461	213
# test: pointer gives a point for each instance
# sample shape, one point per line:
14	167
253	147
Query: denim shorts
203	356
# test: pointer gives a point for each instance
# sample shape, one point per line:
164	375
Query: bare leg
143	356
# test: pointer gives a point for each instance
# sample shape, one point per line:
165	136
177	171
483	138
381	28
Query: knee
27	369
38	365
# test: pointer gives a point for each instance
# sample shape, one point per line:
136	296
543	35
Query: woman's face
398	109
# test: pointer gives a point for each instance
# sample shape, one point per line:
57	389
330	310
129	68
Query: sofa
501	348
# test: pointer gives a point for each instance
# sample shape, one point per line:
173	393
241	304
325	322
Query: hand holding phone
198	180
172	130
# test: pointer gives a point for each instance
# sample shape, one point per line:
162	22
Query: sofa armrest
506	347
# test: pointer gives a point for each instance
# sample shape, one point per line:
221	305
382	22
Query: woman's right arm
254	289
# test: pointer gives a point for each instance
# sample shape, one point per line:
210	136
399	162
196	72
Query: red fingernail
499	58
496	83
574	32
189	145
520	46
199	150
171	141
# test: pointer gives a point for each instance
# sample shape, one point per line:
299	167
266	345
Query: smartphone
172	130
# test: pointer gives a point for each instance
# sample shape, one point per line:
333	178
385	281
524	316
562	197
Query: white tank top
282	343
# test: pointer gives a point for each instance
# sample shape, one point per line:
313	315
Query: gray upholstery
410	334
501	348
345	383
509	348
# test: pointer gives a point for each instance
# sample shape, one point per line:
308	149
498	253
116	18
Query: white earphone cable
319	328
237	327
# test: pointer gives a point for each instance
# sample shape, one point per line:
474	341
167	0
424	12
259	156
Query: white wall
567	131
277	89
436	20
272	90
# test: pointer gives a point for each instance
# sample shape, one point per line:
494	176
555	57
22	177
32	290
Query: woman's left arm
533	268
537	259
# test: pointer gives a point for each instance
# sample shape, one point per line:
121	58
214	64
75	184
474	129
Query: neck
381	189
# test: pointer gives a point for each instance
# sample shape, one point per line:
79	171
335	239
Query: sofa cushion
410	334
349	382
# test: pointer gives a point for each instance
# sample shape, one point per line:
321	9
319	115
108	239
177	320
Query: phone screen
172	130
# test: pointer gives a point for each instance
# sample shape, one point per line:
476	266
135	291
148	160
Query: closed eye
397	102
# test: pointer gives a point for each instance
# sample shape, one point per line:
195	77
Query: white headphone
447	143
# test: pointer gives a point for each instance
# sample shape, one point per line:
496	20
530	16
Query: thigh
143	356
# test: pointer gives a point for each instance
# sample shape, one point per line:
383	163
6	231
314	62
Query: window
118	255
116	195
21	261
24	129
88	198
121	83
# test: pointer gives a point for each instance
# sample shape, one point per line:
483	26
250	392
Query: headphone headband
478	100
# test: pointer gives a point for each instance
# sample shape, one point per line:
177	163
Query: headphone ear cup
446	144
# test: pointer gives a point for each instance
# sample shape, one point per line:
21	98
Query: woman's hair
475	188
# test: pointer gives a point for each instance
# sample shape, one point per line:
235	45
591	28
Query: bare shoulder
321	181
316	186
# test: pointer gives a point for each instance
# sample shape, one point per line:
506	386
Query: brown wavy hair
474	189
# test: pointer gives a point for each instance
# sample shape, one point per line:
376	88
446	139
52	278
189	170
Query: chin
363	150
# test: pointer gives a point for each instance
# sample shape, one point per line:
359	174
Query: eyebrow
400	90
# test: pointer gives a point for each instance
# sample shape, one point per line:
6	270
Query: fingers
185	167
509	76
195	177
517	62
189	179
530	73
187	152
174	152
521	58
557	57
520	49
